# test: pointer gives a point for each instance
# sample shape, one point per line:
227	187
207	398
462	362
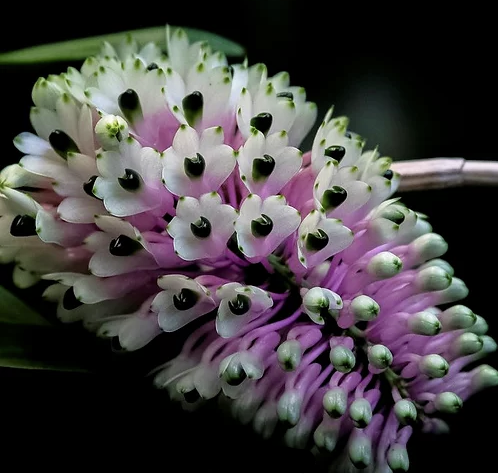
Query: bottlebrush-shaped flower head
161	192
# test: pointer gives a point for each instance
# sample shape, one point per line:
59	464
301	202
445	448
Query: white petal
23	278
229	324
186	141
80	210
211	138
52	230
115	226
44	121
91	289
137	332
103	264
30	144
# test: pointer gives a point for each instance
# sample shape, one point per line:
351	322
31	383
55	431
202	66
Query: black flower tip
201	228
186	299
193	105
129	103
262	167
69	301
262	122
62	143
130	180
240	305
124	246
23	226
316	241
194	167
262	226
336	152
333	197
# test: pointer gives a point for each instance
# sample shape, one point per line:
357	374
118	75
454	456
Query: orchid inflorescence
164	191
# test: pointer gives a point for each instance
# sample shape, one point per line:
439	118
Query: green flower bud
325	437
342	359
364	308
488	344
437	262
397	458
434	366
424	323
484	376
466	344
480	327
360	411
428	246
289	407
432	279
405	412
457	317
455	292
448	402
335	402
380	356
360	451
384	265
111	130
289	355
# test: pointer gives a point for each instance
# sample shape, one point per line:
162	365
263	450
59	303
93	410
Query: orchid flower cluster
161	191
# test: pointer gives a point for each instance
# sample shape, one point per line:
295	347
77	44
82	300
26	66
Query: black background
416	80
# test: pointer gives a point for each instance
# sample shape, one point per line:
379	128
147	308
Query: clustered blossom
161	192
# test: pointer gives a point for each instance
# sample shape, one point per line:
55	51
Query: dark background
417	81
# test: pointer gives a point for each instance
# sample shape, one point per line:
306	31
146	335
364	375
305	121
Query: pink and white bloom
162	192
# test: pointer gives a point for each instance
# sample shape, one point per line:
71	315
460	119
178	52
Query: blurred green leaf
42	348
80	49
29	341
15	311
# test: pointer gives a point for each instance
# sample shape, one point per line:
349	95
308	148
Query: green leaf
29	341
42	347
80	49
15	311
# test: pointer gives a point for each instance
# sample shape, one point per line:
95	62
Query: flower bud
428	246
111	130
448	402
488	344
234	373
289	407
325	437
432	279
397	458
335	402
265	421
434	366
405	412
380	356
457	317
364	308
384	265
466	344
456	291
484	376
320	303
480	327
360	411
289	354
46	93
438	262
424	323
342	359
360	450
